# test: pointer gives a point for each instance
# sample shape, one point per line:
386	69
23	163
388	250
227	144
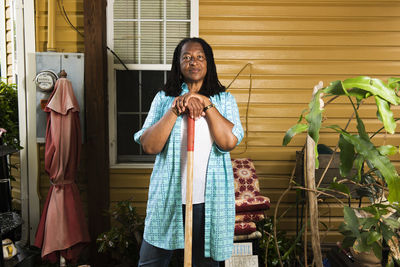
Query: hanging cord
248	103
66	18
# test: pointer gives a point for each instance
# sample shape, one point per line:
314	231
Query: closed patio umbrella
62	229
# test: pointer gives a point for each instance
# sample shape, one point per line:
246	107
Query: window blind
139	29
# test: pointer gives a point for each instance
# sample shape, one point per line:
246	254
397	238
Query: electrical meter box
48	65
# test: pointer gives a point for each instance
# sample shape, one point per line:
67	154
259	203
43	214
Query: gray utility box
73	64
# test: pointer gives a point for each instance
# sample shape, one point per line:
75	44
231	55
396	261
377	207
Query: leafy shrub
287	246
9	114
123	240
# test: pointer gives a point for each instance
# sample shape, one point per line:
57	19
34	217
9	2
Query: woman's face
193	62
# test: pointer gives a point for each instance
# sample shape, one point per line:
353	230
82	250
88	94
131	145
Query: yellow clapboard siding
128	180
129	171
301	9
67	40
273	167
333	223
290	96
68	5
76	19
262	23
293	110
312	52
295	82
66	36
333	210
65	48
128	193
299	38
306	67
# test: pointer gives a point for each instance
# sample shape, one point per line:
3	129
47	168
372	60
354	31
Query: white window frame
112	92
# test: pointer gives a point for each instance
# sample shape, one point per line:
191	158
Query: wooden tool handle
189	194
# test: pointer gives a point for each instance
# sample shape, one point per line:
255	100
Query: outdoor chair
249	203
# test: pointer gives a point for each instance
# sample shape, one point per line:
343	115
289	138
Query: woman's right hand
192	104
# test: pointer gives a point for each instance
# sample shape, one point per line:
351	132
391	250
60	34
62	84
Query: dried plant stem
276	213
320	192
266	249
305	237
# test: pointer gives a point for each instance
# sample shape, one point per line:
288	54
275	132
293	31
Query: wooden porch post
96	142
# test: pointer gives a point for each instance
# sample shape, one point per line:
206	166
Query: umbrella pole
189	194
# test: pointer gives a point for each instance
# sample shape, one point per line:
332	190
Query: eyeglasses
188	58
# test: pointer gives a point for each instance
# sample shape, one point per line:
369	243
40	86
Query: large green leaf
394	83
295	129
314	117
361	244
374	210
377	249
387	150
336	88
362	87
359	163
373	237
361	128
369	222
382	163
374	86
348	241
351	220
387	233
346	156
385	115
392	223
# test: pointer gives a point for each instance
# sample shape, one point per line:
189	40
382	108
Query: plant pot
366	259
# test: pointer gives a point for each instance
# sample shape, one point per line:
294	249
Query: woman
192	89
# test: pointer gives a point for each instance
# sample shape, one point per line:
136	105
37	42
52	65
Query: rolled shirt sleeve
230	111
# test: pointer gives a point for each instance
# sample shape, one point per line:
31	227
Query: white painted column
26	71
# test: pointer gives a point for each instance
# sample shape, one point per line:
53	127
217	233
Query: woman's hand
192	104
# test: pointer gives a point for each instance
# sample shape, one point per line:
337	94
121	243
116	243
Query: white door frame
26	71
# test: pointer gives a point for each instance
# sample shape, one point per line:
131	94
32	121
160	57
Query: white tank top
202	147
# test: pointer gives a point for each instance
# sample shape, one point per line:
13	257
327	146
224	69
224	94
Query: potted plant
9	114
374	226
270	244
124	238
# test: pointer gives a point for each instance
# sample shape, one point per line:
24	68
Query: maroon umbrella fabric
62	228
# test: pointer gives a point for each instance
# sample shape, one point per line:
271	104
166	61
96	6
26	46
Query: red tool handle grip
190	134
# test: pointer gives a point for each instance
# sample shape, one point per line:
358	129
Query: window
144	34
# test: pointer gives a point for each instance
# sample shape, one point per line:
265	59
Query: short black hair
211	85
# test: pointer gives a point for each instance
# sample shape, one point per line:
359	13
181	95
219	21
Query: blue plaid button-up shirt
164	219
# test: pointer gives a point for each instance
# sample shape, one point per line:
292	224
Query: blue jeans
151	256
